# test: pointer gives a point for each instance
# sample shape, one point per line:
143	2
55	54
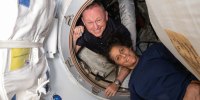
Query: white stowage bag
24	24
96	63
128	18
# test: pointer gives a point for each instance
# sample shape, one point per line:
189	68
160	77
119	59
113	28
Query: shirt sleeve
80	41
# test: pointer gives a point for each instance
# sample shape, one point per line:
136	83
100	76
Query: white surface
51	44
65	85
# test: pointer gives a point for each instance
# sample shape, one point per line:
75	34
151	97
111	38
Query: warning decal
185	49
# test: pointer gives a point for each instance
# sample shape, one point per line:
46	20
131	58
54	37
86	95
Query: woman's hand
111	90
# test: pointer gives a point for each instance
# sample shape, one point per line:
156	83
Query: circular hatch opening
79	68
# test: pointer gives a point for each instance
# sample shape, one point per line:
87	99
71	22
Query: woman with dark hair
156	74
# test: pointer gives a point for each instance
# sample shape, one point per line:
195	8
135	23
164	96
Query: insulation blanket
24	27
177	24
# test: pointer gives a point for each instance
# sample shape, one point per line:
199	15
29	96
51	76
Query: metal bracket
69	19
69	62
95	90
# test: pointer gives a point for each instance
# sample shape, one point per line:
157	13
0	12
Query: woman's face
123	56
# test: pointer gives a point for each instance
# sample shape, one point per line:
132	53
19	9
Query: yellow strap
19	57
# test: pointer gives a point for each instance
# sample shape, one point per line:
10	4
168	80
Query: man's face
95	20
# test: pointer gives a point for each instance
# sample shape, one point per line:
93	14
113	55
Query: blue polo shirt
99	45
159	76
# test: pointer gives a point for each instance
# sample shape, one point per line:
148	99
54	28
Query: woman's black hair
117	39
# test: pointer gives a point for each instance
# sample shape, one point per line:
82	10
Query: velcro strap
19	44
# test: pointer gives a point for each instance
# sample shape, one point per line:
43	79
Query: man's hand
78	30
111	90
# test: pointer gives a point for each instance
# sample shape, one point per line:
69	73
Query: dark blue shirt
159	76
99	45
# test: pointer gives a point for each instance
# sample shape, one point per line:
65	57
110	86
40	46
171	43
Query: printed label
185	49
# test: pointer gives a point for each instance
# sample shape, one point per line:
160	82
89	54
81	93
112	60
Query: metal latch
69	19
